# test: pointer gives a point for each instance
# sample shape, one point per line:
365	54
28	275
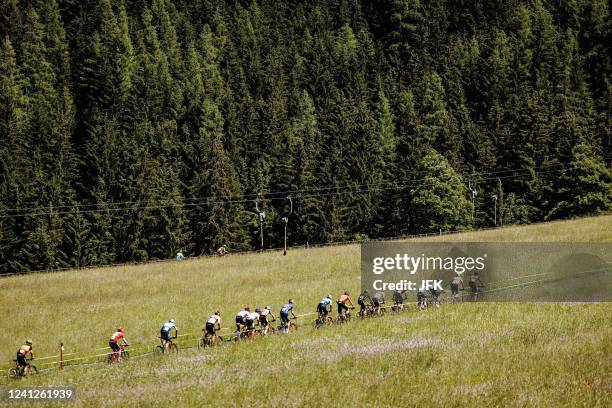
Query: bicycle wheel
32	370
173	349
125	355
109	358
160	349
13	372
292	327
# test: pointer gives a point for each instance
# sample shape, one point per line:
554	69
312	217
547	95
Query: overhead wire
294	194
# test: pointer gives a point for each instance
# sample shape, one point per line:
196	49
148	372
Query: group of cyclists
251	322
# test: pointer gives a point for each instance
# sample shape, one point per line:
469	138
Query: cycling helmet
328	296
218	313
120	329
171	320
29	342
290	301
257	310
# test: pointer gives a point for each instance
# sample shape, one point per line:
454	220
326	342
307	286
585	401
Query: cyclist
455	283
342	301
324	307
221	251
241	318
165	331
213	324
263	318
117	336
377	300
421	303
22	354
251	320
284	314
434	297
475	284
363	301
398	299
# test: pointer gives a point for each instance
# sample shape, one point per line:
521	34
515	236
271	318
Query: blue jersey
285	309
325	302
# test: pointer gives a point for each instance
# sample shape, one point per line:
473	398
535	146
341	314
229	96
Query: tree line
133	129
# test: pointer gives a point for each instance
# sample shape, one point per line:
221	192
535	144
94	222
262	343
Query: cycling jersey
378	297
214	319
253	316
264	313
398	297
117	336
288	307
456	280
325	302
166	327
25	350
243	313
344	299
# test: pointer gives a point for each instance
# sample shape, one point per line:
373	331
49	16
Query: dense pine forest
133	129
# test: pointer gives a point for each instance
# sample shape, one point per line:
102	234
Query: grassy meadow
466	354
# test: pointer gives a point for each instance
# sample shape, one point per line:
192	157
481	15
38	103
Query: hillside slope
491	353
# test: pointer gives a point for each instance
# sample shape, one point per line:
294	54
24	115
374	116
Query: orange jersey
344	298
117	336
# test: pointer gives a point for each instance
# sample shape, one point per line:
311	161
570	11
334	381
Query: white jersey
214	319
253	316
264	312
168	326
243	313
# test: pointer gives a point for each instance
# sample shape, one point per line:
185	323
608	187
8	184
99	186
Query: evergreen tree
440	201
585	188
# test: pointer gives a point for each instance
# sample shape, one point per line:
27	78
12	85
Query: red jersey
117	336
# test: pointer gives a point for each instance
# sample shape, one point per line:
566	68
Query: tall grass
524	354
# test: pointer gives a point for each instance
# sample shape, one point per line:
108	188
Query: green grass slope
485	354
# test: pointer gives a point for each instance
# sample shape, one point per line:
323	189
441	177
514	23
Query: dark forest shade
130	130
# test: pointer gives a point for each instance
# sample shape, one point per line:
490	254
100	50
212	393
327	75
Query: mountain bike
240	334
459	297
380	310
124	354
475	291
167	346
367	312
323	320
268	328
422	303
17	371
344	316
397	307
210	340
288	327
